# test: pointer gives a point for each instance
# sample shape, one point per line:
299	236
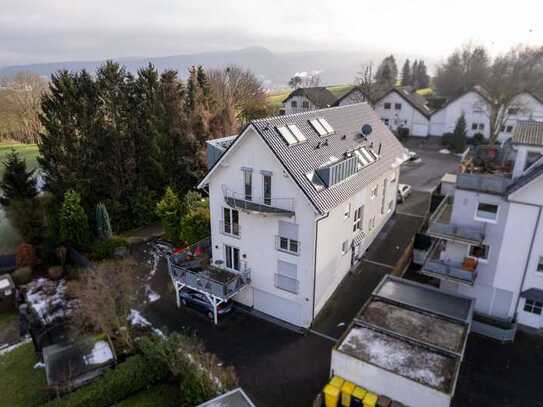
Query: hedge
135	374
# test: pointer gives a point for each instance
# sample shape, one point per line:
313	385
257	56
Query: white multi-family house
306	99
295	201
476	106
401	108
524	107
489	236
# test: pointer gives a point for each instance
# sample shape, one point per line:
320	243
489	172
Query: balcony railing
457	233
492	184
193	268
449	271
268	205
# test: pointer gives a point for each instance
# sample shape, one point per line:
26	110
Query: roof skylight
319	128
329	129
291	134
297	132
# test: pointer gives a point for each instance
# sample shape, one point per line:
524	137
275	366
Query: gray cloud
61	30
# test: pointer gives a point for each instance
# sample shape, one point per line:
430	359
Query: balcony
265	205
464	273
442	228
486	183
193	268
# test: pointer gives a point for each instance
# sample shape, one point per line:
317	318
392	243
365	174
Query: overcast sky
62	30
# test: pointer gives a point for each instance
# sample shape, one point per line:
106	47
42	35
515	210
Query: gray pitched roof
320	96
413	98
301	159
525	179
529	133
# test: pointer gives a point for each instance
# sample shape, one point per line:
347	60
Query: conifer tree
18	182
458	141
74	224
406	73
103	224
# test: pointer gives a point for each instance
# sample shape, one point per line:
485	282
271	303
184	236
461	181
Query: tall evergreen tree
387	73
103	224
406	73
458	141
18	182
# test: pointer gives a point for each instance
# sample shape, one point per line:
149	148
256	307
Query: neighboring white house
295	201
490	238
306	99
402	108
476	107
355	95
525	106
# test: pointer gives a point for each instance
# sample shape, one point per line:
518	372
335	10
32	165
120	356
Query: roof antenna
379	151
318	145
325	142
267	126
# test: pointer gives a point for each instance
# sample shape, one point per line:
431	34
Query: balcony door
267	182
232	257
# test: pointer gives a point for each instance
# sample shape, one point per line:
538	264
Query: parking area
426	174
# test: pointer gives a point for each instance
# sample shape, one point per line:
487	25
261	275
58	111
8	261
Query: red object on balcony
178	250
198	251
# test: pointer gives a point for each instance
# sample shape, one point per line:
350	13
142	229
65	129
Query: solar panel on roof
318	127
287	135
297	133
329	129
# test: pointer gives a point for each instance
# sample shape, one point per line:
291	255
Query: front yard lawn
20	384
164	395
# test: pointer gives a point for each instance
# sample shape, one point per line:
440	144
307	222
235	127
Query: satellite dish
366	130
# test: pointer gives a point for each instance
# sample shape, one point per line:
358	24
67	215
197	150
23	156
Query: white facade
396	112
514	240
523	107
322	260
298	104
476	110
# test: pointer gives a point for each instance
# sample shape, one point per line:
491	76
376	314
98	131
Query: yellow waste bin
331	396
370	400
346	392
358	396
337	381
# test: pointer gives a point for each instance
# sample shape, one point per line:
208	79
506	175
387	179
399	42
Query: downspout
315	263
528	259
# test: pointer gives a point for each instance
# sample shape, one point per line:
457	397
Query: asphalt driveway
426	174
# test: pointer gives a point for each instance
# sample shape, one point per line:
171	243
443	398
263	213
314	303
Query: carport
192	267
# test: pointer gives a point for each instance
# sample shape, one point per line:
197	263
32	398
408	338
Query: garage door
420	130
278	307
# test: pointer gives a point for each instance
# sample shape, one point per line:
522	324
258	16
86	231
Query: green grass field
275	98
20	384
27	151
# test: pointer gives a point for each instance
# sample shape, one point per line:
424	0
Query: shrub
446	139
195	225
458	140
74	224
170	210
105	249
133	375
477	139
403	133
22	275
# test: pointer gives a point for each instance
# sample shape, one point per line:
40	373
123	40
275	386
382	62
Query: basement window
533	306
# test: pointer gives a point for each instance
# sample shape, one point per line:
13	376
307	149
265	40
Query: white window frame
357	221
531	305
479	259
539	266
289	245
374	192
223	226
345	247
487	220
232	248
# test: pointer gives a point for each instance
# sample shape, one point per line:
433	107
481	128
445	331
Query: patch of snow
151	295
101	353
444	151
4	283
136	319
10	348
341	324
48	299
39	365
418	160
397	356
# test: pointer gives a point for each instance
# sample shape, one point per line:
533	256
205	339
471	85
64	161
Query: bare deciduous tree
107	294
365	81
238	94
20	105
